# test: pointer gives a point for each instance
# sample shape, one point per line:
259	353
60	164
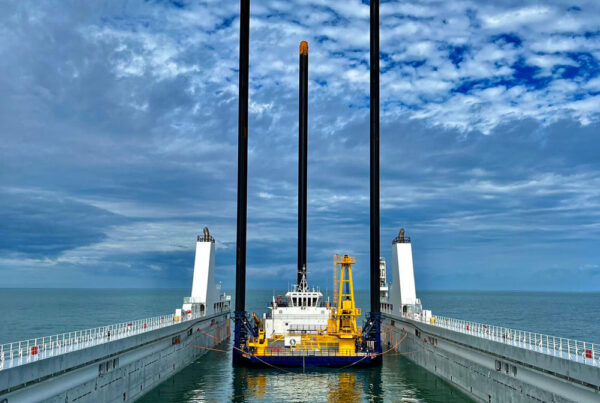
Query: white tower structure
403	296
383	287
204	291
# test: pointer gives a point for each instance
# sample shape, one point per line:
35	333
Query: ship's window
417	333
498	365
514	371
506	368
309	300
404	309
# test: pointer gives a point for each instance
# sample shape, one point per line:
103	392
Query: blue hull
308	361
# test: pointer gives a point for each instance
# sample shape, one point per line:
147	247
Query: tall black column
302	156
372	327
242	177
374	158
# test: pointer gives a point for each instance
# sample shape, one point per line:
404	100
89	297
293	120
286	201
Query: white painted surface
285	320
402	292
204	290
292	341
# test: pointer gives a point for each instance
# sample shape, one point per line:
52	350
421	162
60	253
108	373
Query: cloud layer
118	129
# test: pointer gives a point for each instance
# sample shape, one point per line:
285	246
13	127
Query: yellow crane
342	333
342	323
336	257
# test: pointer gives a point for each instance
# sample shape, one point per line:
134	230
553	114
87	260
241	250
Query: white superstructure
383	287
403	286
302	312
205	298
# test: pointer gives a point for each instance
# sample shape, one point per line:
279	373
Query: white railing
23	352
574	350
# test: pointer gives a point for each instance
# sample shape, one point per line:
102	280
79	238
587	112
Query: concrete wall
469	363
120	370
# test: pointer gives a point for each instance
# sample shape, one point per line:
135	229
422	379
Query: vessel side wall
469	363
140	363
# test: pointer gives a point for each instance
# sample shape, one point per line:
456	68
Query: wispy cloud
118	129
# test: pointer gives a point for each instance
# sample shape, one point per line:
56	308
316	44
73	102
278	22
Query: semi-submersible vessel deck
123	362
120	362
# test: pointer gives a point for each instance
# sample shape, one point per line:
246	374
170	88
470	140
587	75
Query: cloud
118	138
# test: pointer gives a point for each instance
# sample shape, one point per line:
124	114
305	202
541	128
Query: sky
118	141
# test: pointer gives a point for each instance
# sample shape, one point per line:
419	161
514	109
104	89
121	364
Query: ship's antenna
302	157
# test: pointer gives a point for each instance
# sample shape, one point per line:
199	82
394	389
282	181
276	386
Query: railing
23	352
302	317
203	238
573	350
399	239
285	352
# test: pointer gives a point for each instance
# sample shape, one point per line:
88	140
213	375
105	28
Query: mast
242	176
302	158
374	157
372	327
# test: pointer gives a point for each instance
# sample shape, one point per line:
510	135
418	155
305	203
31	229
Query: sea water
30	313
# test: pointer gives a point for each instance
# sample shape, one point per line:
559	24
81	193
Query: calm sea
30	313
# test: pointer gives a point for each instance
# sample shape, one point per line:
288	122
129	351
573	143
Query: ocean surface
30	313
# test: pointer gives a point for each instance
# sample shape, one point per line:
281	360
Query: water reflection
374	391
346	389
319	385
212	379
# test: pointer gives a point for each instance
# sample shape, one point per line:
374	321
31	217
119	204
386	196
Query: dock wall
490	371
116	371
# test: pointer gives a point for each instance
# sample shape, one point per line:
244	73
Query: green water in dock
212	379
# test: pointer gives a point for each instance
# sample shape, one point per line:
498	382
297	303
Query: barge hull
310	361
115	371
470	363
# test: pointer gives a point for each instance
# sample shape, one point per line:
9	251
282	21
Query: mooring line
396	345
406	352
210	335
355	362
255	356
209	348
293	372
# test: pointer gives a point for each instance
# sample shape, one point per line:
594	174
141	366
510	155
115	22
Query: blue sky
118	141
